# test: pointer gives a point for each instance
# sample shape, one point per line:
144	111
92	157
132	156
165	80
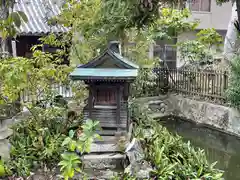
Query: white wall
217	18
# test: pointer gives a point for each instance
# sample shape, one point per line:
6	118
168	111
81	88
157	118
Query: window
167	53
199	5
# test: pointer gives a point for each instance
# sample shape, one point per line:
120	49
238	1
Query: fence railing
58	89
212	84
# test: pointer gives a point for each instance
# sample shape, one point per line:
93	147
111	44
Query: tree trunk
4	15
231	36
238	9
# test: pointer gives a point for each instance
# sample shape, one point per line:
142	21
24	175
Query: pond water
219	146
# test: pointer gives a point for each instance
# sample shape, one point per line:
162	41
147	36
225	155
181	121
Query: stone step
103	161
104	148
92	174
158	115
102	174
107	139
107	132
155	102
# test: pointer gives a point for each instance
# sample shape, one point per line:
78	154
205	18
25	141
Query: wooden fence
211	84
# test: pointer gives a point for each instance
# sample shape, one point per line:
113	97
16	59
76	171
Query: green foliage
172	22
220	2
170	156
8	26
93	23
70	162
2	169
36	75
233	91
145	83
203	47
209	37
43	134
191	51
44	130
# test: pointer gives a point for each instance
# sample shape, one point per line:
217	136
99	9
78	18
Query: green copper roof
101	73
124	60
115	57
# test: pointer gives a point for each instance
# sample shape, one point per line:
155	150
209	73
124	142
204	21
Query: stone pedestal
5	132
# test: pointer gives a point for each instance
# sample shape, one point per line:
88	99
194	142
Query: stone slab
103	148
107	139
103	161
5	149
6	133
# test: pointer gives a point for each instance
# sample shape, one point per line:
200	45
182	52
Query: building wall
217	18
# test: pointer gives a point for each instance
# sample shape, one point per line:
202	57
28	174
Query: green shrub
36	141
233	91
77	142
145	83
170	157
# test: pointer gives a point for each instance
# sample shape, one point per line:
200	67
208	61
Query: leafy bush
233	91
36	141
80	142
170	157
201	49
145	83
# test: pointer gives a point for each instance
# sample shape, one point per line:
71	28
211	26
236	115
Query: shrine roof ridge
115	57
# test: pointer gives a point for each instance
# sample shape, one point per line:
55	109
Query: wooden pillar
14	48
118	107
126	95
90	101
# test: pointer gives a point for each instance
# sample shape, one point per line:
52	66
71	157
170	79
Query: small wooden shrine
108	77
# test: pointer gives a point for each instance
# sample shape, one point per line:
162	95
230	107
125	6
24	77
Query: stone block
4	149
5	133
103	161
103	148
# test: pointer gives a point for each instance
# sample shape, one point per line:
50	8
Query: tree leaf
66	141
71	133
23	16
15	18
72	145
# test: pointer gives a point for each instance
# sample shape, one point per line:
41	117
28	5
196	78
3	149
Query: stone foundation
218	116
221	117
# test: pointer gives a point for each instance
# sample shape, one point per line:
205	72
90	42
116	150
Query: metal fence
212	84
